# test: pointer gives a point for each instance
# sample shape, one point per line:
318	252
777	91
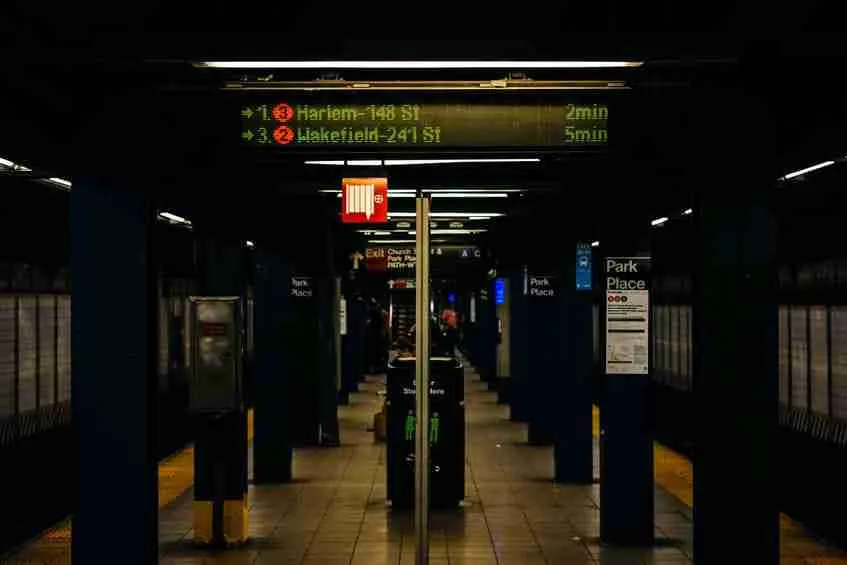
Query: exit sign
364	201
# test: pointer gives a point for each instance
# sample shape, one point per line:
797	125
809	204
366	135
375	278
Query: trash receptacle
446	432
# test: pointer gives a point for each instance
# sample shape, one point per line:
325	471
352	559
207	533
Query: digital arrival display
287	123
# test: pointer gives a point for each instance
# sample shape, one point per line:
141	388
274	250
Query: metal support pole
422	346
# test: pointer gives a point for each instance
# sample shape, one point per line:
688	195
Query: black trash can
447	432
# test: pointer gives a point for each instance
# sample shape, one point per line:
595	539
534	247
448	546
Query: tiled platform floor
335	512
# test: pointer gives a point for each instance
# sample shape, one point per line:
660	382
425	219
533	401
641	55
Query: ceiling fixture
659	221
687	212
174	219
469	195
249	244
7	164
412	194
450	232
325	163
405	162
790	176
475	215
595	243
61	183
258	84
416	65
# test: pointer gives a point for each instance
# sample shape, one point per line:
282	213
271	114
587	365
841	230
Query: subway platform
335	510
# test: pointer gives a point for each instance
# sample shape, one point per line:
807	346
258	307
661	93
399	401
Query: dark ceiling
65	60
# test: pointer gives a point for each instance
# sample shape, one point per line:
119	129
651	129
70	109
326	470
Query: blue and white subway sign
583	266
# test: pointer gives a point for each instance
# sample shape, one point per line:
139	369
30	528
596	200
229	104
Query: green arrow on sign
247	113
248	135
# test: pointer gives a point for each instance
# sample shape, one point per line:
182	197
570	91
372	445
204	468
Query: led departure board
292	123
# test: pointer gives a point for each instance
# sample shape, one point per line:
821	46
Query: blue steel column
351	343
327	393
574	446
545	358
113	373
519	345
272	446
491	337
626	433
356	327
735	335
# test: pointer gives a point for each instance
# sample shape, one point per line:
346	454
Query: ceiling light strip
416	65
406	162
801	172
448	214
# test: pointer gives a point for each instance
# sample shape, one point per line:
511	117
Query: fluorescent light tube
486	215
249	244
401	162
687	212
412	194
61	182
174	218
431	65
12	165
464	214
469	195
790	176
449	232
659	221
595	244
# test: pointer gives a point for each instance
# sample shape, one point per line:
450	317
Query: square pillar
113	341
627	484
573	453
272	446
518	343
327	308
735	350
545	352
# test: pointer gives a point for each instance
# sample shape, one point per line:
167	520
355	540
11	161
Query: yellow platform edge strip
176	476
674	473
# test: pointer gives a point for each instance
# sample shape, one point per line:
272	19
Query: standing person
450	318
373	333
378	337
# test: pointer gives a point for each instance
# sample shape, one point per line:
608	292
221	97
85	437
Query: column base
504	390
231	531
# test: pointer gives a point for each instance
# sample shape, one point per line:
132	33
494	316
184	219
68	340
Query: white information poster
342	316
627	315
